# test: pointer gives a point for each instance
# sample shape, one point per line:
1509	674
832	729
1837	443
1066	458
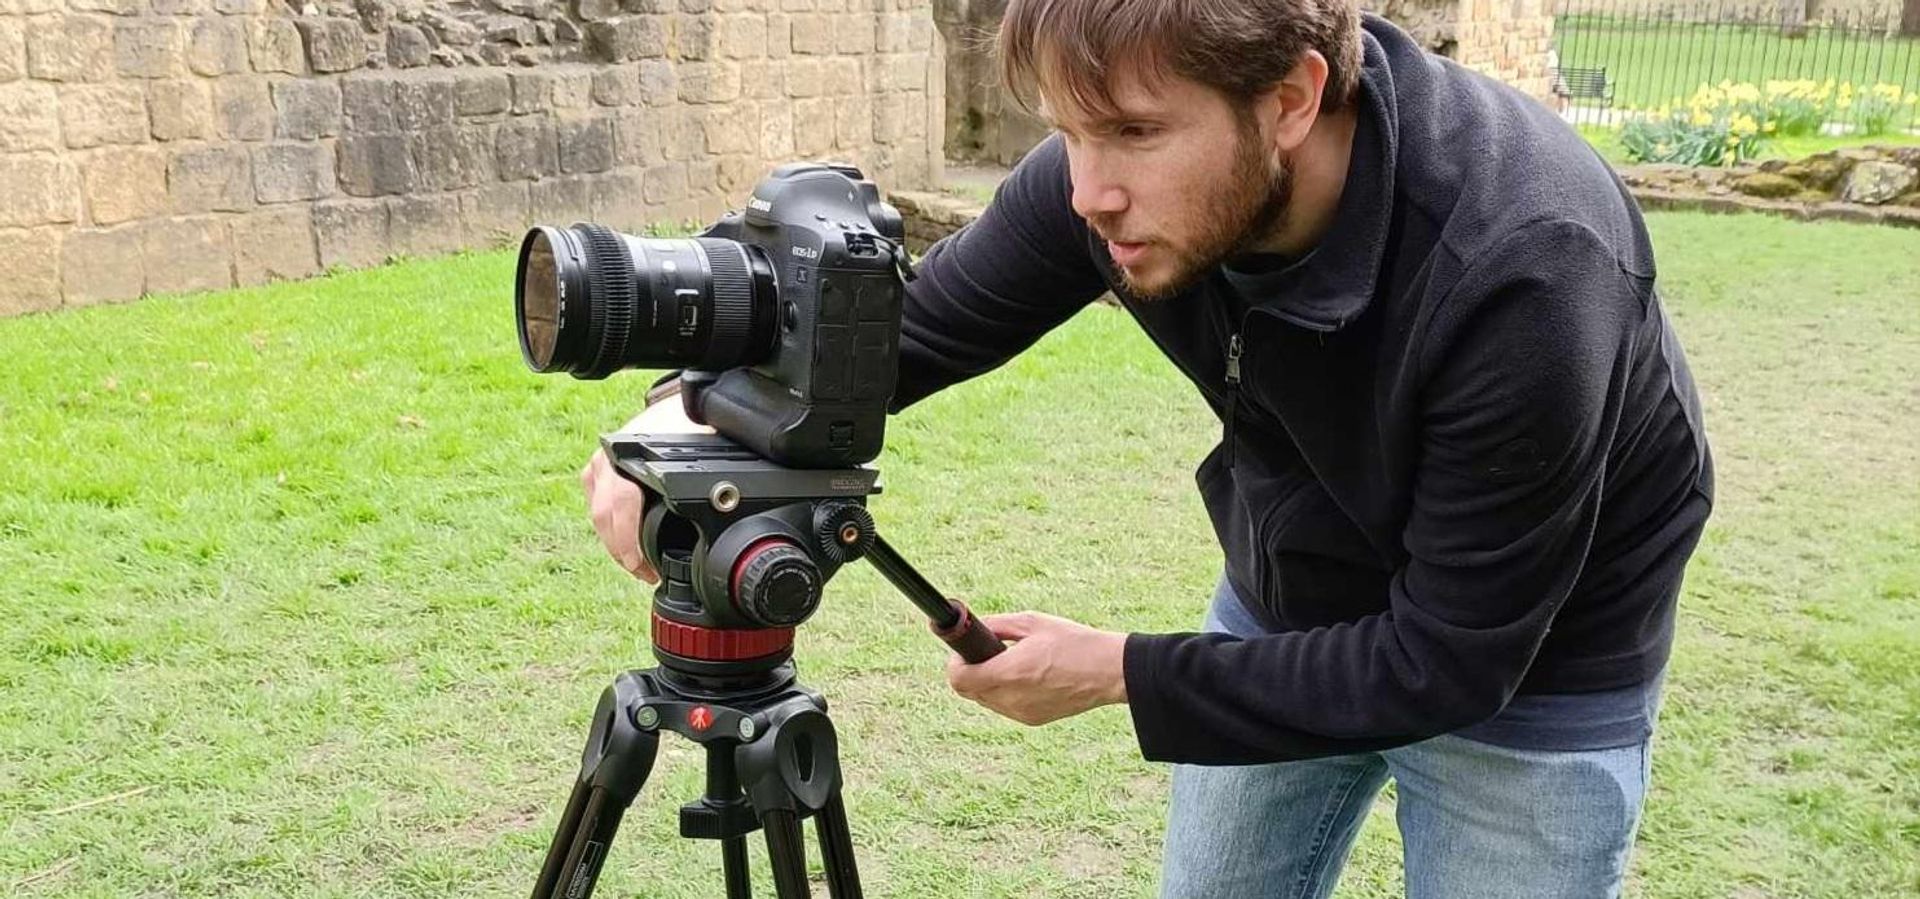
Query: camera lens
591	301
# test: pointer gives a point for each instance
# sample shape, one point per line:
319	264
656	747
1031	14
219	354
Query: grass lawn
300	599
1664	62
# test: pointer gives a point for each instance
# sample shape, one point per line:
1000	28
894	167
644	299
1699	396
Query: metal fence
1848	70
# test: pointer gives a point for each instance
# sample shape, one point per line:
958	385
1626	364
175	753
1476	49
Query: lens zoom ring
610	277
732	302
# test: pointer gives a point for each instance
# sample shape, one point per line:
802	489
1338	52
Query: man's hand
1054	669
617	503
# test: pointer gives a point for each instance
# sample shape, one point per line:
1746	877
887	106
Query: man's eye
1136	132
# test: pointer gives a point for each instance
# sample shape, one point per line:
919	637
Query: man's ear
1288	109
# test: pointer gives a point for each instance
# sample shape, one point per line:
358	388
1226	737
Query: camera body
819	398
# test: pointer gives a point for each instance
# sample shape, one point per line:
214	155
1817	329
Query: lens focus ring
732	302
610	278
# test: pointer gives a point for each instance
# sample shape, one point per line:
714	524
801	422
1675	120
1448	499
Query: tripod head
744	548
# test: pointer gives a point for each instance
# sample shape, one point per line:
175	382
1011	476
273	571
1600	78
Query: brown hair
1238	47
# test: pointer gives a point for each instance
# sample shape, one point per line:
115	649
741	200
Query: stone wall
153	146
1508	39
1874	185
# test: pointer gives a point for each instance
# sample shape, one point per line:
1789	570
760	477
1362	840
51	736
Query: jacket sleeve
1524	364
996	286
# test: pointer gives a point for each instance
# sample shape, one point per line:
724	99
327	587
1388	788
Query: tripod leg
614	767
787	851
733	860
836	849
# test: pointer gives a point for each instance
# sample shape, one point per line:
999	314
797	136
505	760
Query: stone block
148	48
892	33
703	176
806	78
659	83
532	92
764	80
709	82
776	130
478	93
274	44
181	7
619	201
125	183
29	117
598	10
368	103
182	255
617	86
29	270
629	38
425	225
734	131
274	245
239	7
372	165
243	108
666	183
526	148
586	145
333	45
743	37
210	179
351	233
812	34
180	110
561	201
28	7
284	173
779	36
852	122
102	266
813	126
420	103
453	156
854	33
109	7
738	174
408	47
13	50
684	133
844	78
306	108
217	47
496	215
572	90
70	48
96	114
638	139
694	38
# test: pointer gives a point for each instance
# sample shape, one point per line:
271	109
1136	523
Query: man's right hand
616	503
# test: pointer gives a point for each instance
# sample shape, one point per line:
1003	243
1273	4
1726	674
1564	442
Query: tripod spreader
952	620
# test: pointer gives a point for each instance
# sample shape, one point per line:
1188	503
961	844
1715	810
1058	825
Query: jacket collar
1332	284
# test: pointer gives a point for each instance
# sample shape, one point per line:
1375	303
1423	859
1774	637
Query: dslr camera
785	315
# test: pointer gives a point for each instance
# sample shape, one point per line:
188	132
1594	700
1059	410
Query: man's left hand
1052	669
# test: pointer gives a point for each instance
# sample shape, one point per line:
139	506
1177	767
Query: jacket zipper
1234	347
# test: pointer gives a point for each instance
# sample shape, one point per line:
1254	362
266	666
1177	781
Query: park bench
1583	83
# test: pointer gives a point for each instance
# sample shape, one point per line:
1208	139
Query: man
1462	465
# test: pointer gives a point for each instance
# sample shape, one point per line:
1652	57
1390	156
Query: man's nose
1093	194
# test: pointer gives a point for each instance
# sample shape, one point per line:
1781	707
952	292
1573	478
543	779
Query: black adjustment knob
779	586
843	531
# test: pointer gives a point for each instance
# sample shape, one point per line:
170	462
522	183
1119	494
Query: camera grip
969	636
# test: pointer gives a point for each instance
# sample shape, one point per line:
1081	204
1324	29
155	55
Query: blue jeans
1476	820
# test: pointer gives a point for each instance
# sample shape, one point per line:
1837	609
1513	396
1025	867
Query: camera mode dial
776	584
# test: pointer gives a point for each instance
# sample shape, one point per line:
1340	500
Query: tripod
772	758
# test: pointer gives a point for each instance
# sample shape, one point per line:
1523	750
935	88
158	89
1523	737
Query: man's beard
1240	210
